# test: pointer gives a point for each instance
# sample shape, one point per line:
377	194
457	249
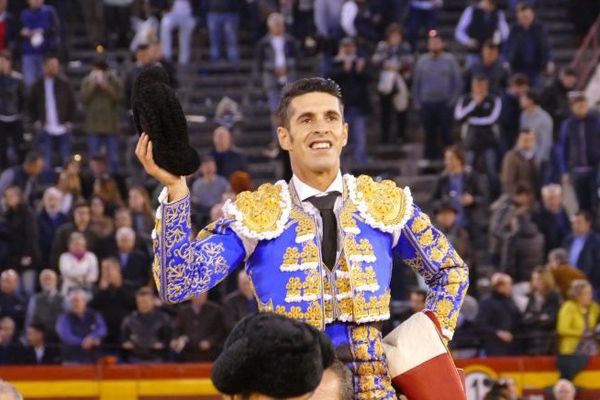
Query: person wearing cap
318	248
101	93
579	151
12	107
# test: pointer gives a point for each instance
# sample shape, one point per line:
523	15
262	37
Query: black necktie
329	241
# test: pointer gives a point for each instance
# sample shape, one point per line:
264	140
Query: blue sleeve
63	331
99	331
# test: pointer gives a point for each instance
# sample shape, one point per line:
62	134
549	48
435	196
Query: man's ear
345	133
285	139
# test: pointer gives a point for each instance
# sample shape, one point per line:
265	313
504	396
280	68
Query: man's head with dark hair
525	15
490	52
480	85
518	84
417	300
529	99
568	78
526	140
51	66
144	299
336	383
33	163
581	223
302	87
35	334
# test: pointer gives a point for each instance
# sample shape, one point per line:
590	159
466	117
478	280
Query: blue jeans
32	68
223	27
51	143
436	119
491	168
111	144
357	122
418	18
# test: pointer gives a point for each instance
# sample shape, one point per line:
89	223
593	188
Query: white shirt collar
305	191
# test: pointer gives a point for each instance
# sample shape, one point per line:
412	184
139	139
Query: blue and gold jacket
277	238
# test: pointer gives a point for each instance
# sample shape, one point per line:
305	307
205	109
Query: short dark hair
586	215
490	44
533	95
523	189
344	375
32	157
80	204
458	152
420	292
304	86
569	71
523	6
51	56
144	291
526	131
480	77
394	28
38	327
519	80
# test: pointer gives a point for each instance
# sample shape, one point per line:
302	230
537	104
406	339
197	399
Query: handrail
587	55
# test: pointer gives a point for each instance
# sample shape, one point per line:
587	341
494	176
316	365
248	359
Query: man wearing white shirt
179	17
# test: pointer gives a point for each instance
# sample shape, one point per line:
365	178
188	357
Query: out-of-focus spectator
416	303
555	99
446	220
524	248
228	158
180	18
499	318
80	330
113	301
491	67
39	35
436	88
93	15
10	26
24	252
577	319
134	263
143	57
239	303
539	318
100	224
207	190
52	107
146	332
579	151
25	176
479	23
394	59
222	19
458	186
45	307
12	107
101	93
533	117
200	330
518	165
38	351
422	14
564	390
117	16
123	219
69	186
12	304
361	20
81	224
349	70
584	248
511	111
276	56
527	48
10	347
107	189
552	218
480	111
78	266
49	219
141	211
563	273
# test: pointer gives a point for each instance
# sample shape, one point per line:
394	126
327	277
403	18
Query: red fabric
416	383
2	35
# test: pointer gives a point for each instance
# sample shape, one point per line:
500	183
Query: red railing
587	55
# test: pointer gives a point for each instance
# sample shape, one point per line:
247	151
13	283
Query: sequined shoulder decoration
383	205
261	214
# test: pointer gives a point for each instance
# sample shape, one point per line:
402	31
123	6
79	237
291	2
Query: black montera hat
157	112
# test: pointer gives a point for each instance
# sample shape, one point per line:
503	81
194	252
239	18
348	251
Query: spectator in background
555	99
527	48
93	16
39	36
499	318
349	70
144	56
46	306
276	56
12	304
10	28
422	13
113	301
491	67
141	211
577	319
100	224
394	59
435	90
329	30
49	219
200	330
78	267
524	248
478	24
25	176
69	186
552	218
511	111
179	17
101	93
24	252
518	166
446	221
146	332
563	273
207	190
361	20
583	247
52	107
228	159
533	117
222	19
134	263
564	390
80	330
539	318
480	112
38	351
10	347
239	303
12	107
107	189
579	151
117	15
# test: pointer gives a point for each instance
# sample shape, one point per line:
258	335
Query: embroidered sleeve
184	266
428	252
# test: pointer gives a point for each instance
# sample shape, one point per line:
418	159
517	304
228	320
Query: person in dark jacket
26	176
46	306
38	351
491	67
583	247
499	318
538	325
524	249
222	19
511	111
552	218
10	347
135	265
49	219
228	159
12	107
555	99
12	304
239	303
527	48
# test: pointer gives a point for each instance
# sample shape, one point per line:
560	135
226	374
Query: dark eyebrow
305	114
331	113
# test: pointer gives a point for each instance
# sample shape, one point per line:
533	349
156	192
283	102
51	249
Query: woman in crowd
100	223
577	320
106	188
78	266
141	211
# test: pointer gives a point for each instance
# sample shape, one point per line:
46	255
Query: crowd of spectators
520	181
